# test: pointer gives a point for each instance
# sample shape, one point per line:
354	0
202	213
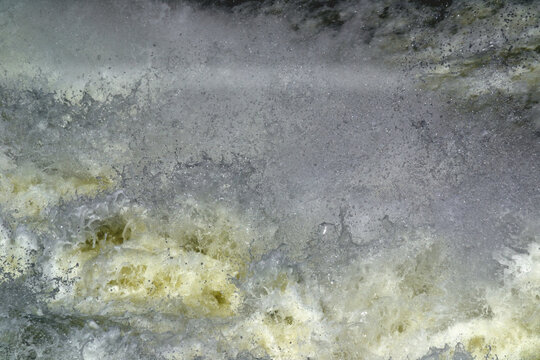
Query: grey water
269	180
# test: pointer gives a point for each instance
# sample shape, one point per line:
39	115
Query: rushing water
269	180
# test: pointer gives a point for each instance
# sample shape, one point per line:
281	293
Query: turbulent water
269	180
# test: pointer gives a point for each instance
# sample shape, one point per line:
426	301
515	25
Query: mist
183	180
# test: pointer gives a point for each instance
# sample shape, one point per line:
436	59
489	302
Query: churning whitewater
269	180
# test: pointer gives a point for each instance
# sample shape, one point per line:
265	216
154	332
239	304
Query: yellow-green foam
126	263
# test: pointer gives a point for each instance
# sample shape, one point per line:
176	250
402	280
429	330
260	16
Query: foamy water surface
183	181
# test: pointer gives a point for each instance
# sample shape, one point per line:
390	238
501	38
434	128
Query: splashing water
273	180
